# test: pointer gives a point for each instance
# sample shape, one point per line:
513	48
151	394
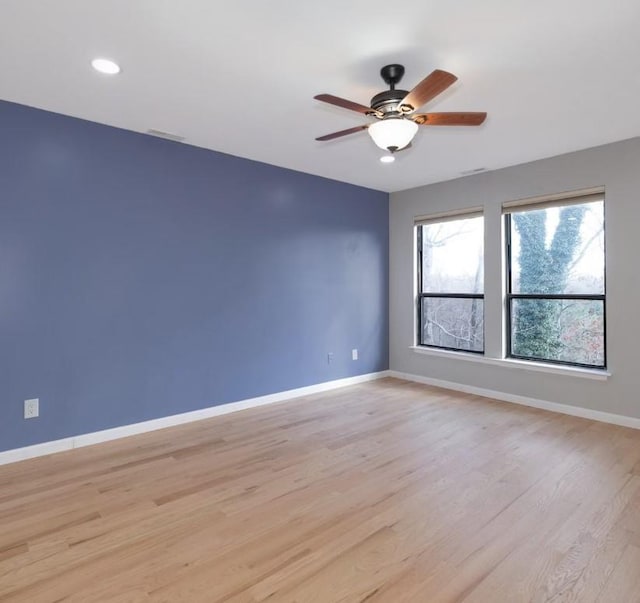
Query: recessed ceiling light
387	159
105	66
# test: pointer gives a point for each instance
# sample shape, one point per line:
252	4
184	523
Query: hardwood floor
383	492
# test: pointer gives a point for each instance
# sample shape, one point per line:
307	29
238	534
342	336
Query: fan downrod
392	74
387	101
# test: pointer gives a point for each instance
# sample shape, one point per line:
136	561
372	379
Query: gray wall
617	168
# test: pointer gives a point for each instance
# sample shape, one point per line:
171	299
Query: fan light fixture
393	133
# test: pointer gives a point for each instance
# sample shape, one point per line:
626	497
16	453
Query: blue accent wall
141	278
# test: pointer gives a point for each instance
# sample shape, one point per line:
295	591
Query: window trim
418	224
514	364
509	296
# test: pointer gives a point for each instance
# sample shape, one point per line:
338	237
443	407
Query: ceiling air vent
165	135
474	171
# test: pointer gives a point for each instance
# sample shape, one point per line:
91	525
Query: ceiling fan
395	110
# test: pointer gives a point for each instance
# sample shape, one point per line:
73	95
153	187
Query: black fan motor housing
387	100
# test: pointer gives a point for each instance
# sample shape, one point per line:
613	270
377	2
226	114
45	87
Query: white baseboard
566	409
87	439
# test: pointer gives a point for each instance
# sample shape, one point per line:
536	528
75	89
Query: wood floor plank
388	491
624	584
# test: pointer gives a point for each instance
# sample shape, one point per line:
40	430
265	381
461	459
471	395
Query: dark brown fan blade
449	119
432	85
345	104
342	133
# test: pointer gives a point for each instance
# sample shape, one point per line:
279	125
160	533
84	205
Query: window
450	301
556	281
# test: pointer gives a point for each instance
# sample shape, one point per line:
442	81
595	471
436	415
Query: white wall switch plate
354	354
31	408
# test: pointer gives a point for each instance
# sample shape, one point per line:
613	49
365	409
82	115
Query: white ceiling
239	77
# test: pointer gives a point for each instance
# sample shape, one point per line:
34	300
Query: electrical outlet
329	357
31	408
354	354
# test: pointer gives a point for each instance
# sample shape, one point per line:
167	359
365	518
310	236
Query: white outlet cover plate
354	354
32	408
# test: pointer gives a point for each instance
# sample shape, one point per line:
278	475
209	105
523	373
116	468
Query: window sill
570	371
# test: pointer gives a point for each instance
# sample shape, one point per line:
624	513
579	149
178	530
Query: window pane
453	256
452	323
558	250
562	330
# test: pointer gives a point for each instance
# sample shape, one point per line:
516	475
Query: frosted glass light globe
393	133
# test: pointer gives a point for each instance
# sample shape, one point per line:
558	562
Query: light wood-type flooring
383	492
